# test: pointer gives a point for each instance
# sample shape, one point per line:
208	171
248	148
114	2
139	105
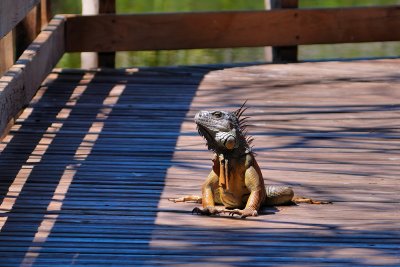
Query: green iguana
235	180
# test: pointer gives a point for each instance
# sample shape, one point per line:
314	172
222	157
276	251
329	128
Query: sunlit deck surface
87	169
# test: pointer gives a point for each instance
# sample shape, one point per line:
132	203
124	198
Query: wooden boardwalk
87	170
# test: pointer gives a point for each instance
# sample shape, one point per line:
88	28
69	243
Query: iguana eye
217	114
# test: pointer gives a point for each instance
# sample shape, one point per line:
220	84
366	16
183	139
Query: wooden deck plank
87	169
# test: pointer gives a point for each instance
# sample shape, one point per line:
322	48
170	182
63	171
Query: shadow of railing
96	146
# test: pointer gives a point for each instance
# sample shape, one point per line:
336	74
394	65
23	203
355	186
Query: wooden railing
107	33
104	33
20	23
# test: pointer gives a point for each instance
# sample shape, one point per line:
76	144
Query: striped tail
278	195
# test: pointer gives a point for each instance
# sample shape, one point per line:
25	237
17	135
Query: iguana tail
278	195
284	195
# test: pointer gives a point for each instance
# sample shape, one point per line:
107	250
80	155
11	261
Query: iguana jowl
235	180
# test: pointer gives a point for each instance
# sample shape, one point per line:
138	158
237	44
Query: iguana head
224	131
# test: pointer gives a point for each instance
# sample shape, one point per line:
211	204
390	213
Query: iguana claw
214	211
242	213
206	211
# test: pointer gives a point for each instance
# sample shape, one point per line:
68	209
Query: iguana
235	180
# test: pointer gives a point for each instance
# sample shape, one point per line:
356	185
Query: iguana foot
242	213
195	199
207	211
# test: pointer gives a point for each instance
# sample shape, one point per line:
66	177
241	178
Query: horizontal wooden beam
12	12
286	27
20	83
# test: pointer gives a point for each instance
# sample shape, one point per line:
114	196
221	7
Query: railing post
7	56
27	30
282	54
90	60
268	49
18	39
107	59
45	12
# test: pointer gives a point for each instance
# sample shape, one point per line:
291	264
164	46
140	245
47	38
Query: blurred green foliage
211	56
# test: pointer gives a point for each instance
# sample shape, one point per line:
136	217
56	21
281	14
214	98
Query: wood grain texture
12	12
87	169
107	33
20	83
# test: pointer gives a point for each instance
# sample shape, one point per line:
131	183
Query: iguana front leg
208	190
255	184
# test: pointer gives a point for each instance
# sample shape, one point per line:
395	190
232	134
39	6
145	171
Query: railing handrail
20	23
12	12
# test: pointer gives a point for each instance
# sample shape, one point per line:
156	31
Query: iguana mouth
204	133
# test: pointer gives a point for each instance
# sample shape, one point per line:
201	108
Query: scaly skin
244	193
235	181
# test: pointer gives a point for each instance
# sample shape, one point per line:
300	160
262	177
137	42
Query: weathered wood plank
12	12
231	29
20	83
